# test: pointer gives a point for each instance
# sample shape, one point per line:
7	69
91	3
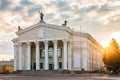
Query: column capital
36	42
28	43
46	42
20	43
55	41
16	44
64	41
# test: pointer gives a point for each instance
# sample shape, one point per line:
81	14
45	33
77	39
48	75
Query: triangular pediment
42	25
43	31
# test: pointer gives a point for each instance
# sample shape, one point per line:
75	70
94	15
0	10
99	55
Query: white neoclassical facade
45	46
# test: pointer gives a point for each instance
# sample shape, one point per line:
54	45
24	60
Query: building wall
95	56
6	66
1	69
9	69
87	54
90	54
80	49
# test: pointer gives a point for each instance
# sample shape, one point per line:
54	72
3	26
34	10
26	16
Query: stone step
40	72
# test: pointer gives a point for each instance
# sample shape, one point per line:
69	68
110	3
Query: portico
43	54
45	46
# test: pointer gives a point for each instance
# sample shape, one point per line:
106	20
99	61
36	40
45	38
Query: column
46	55
37	56
15	57
55	56
65	54
28	56
20	56
70	55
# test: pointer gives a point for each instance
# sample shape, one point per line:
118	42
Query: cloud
6	48
110	17
25	2
4	4
104	8
17	8
61	4
35	8
95	16
64	16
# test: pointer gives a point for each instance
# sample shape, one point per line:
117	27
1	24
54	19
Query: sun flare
115	35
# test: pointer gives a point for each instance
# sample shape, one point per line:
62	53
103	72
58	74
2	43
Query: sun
105	43
115	35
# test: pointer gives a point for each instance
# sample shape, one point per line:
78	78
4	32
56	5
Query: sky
100	18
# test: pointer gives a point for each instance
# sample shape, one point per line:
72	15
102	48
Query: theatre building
44	46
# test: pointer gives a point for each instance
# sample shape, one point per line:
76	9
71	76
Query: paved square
58	77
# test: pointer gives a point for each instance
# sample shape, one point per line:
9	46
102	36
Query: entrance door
50	66
34	66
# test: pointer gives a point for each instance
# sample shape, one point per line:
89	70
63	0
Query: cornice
88	36
15	40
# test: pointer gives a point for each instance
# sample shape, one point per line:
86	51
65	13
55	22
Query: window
59	53
42	53
50	52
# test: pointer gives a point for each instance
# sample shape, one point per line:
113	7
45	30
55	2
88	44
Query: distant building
6	66
45	46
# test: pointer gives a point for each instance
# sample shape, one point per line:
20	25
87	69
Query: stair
40	72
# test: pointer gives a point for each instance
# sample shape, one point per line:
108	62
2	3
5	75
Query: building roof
87	35
41	24
8	63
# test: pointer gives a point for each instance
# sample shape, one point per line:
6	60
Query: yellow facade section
6	69
1	69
